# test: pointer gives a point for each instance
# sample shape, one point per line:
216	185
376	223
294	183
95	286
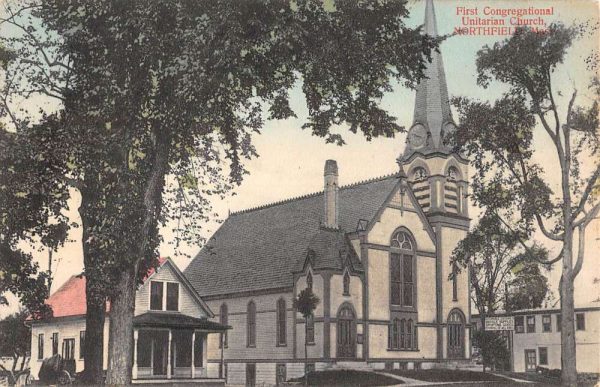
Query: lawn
347	378
445	375
585	380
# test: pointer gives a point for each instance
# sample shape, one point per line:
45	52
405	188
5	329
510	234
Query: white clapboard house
171	328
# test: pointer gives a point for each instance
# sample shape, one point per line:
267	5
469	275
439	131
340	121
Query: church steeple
432	115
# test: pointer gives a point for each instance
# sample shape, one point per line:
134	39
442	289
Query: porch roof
176	320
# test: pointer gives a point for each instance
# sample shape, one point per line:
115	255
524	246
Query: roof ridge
312	194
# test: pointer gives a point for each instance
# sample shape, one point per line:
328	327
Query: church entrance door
346	332
456	335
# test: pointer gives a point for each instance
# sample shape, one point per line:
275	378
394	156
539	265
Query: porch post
134	371
169	355
193	353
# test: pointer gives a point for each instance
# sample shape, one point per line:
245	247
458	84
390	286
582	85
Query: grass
445	375
585	380
349	378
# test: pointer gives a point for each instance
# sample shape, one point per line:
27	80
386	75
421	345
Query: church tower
438	177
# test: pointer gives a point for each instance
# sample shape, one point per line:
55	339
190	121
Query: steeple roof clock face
417	136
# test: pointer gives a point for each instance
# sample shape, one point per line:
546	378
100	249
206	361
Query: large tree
157	95
510	181
503	274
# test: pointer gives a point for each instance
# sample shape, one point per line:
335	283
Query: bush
494	349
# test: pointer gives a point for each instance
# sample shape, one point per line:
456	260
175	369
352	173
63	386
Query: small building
536	338
171	327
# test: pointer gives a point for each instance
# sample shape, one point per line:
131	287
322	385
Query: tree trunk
93	352
120	344
567	336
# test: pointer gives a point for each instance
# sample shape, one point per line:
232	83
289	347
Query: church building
376	254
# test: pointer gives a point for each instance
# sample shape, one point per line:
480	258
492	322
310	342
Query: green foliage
528	288
15	335
499	263
494	349
33	193
306	302
15	343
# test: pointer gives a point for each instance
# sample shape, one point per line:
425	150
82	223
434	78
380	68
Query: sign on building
497	323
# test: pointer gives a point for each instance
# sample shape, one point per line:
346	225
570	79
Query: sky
291	160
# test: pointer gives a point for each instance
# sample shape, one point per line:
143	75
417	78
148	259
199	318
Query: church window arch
281	322
346	283
456	334
419	173
251	325
402	270
401	240
453	173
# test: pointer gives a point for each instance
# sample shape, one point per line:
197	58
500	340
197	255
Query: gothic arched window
223	319
402	267
401	240
281	322
452	174
251	325
346	284
419	173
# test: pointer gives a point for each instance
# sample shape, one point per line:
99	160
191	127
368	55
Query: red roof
69	299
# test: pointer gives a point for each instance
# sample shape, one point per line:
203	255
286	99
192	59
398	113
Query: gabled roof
258	249
329	249
70	299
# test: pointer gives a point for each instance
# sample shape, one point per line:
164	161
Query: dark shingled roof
258	249
170	319
329	249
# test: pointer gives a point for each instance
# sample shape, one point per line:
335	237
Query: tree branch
527	248
586	193
38	45
580	251
588	217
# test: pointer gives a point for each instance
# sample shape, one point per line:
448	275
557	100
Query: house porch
170	346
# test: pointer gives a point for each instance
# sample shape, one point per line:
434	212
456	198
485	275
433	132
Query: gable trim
187	284
417	209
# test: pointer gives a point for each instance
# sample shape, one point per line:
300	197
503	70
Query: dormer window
161	300
309	281
419	174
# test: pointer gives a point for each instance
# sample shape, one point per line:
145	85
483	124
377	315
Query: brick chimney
331	194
